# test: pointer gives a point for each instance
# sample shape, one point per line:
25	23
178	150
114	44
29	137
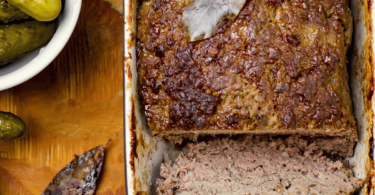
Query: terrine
279	67
145	153
258	165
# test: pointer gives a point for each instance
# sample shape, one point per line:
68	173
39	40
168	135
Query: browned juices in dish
280	67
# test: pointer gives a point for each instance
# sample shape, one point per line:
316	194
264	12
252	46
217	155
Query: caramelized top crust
280	65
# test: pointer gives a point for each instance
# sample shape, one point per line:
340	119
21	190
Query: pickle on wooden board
42	10
16	40
11	126
9	13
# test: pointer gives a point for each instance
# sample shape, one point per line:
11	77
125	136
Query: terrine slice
258	165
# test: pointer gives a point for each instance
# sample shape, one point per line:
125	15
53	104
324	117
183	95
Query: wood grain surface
75	104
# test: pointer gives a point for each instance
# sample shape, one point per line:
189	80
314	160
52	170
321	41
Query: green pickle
11	126
9	13
42	10
16	40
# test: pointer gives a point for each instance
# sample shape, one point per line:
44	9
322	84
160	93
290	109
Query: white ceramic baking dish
144	154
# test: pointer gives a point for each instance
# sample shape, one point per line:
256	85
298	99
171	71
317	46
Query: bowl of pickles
32	34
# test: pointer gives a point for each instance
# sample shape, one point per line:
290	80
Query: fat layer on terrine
279	67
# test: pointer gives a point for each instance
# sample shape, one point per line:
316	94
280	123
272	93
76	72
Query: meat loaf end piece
258	165
280	67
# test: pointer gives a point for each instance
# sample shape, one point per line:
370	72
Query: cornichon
42	10
9	13
11	126
18	39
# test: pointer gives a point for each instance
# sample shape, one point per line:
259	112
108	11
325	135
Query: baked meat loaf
258	165
279	67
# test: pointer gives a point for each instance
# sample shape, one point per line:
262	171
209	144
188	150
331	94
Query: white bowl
31	64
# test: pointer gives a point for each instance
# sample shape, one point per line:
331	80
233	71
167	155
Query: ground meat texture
256	165
280	66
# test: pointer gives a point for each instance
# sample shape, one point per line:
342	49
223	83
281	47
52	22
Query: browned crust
195	108
133	140
370	95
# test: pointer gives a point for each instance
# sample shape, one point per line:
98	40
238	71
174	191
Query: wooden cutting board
75	104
